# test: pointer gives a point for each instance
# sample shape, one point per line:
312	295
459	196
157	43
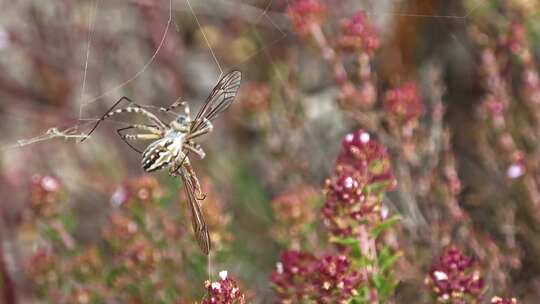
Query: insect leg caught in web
134	109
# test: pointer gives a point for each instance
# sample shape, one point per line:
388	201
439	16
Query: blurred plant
254	105
138	259
301	277
46	195
50	213
404	108
295	214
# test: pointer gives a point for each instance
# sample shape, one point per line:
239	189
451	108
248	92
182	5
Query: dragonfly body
173	142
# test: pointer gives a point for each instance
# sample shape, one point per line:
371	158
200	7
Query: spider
173	142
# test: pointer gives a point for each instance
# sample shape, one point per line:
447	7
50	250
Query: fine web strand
144	67
91	24
205	38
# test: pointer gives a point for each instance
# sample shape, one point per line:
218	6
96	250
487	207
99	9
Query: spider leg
136	109
155	131
122	136
149	128
176	104
195	148
141	136
103	117
206	129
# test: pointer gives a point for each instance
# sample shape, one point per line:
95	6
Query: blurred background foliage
450	88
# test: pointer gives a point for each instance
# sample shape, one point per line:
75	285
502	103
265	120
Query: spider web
254	16
76	131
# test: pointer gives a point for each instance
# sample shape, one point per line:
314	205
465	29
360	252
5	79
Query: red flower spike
367	157
363	171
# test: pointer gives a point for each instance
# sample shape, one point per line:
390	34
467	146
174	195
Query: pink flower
305	13
404	103
346	187
517	37
40	262
144	189
495	107
45	194
455	277
224	291
363	171
361	153
300	276
357	34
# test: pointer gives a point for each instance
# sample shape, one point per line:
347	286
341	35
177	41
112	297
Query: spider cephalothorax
173	142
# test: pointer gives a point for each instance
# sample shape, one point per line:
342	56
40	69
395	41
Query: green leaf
384	280
389	261
69	221
363	295
376	188
385	286
350	242
375	232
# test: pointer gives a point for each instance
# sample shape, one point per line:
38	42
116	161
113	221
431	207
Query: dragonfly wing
199	225
219	99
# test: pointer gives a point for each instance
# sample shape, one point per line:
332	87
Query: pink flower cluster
301	276
404	103
305	13
363	170
454	278
41	265
358	34
224	291
45	194
144	188
516	41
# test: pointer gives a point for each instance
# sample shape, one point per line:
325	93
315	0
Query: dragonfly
173	142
